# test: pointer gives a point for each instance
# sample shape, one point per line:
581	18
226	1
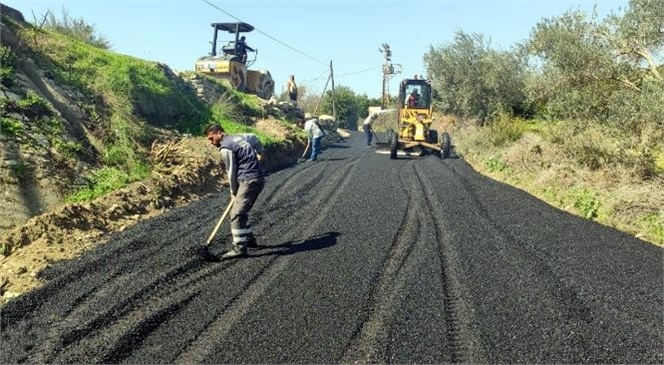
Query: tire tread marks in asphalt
561	292
83	298
576	308
208	340
368	343
150	305
464	344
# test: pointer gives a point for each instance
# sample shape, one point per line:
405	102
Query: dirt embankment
186	169
36	173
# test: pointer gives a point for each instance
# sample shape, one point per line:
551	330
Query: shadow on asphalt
337	146
313	243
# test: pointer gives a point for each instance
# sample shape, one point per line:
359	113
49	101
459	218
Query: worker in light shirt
315	134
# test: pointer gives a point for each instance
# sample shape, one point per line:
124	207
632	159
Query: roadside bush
505	130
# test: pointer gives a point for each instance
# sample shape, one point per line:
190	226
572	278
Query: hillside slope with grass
93	141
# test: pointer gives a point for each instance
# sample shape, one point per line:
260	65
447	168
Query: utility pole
388	74
334	104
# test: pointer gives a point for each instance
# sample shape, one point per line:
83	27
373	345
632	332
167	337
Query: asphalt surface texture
362	259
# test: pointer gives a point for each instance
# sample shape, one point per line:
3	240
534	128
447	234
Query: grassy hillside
125	101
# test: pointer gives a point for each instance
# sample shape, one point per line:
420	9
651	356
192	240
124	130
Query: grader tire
394	145
445	145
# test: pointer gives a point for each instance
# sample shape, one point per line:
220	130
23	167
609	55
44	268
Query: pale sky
302	37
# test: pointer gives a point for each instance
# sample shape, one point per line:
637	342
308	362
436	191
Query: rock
17	116
10	295
22	77
11	96
114	208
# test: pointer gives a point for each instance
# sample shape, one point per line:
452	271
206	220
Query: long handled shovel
305	151
375	136
207	255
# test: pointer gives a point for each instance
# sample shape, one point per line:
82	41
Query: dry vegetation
569	173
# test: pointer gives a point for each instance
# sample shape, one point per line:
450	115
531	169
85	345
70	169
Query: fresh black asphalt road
362	259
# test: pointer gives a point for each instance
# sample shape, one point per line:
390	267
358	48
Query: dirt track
363	259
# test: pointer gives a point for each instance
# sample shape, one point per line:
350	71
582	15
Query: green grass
127	98
653	224
241	103
7	66
5	248
69	149
108	179
33	105
585	201
494	164
10	126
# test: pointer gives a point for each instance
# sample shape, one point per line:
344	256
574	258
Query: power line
265	34
360	71
318	77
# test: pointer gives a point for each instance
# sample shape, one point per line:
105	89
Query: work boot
235	251
252	243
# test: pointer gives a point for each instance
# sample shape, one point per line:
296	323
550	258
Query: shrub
7	66
506	130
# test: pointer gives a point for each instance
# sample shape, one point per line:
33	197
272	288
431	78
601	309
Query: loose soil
187	169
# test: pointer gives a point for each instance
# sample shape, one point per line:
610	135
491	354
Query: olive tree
346	104
473	80
591	68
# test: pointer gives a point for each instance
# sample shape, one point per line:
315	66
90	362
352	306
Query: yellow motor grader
413	135
232	63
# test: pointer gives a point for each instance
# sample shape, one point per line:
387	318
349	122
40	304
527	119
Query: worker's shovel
375	136
304	154
205	250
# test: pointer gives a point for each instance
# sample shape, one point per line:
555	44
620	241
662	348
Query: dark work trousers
315	148
368	132
247	193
